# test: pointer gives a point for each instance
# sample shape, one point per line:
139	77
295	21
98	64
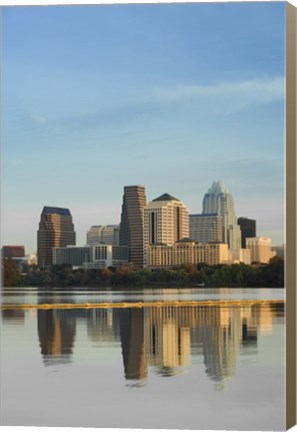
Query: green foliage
235	275
11	275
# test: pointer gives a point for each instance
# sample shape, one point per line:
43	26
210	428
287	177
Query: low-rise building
186	252
91	257
240	256
260	248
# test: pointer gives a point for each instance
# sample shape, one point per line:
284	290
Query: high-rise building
248	229
108	234
56	229
206	228
131	226
166	220
260	248
218	200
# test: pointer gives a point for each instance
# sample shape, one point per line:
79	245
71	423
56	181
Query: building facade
109	234
218	200
72	255
185	252
206	228
166	220
13	251
99	256
260	248
248	229
105	256
131	225
56	229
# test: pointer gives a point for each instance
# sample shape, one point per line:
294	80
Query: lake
154	358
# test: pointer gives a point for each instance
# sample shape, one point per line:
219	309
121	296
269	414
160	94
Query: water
204	365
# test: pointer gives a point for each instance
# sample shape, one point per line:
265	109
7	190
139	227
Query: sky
168	96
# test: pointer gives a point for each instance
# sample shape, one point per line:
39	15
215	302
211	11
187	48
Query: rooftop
56	210
166	197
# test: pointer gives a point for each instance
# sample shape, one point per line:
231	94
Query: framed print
148	244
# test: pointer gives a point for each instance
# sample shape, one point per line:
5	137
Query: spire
217	188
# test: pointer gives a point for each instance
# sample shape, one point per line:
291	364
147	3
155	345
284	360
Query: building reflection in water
163	338
56	332
132	341
17	316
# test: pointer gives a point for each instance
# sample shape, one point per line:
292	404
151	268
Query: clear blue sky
168	96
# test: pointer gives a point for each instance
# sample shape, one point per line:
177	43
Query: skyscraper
219	200
56	229
131	226
166	220
248	229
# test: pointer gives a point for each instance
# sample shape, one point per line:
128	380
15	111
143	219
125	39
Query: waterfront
174	358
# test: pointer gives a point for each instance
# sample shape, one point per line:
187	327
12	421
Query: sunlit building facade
260	248
166	220
185	252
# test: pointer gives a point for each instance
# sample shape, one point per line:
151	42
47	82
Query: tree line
187	275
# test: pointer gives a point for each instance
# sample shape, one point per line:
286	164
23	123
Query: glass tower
219	200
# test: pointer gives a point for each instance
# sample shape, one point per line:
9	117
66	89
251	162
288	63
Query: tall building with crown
166	220
220	201
131	226
56	229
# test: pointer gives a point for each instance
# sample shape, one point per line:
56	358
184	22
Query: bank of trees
236	275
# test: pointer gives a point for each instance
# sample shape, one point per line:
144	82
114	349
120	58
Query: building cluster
156	234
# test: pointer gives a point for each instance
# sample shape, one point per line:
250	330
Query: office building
260	248
72	255
13	251
218	200
166	220
206	228
248	229
104	256
56	229
91	257
108	234
185	252
240	256
131	225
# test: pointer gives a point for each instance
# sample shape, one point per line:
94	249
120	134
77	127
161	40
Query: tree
11	274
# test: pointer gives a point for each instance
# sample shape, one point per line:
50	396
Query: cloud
178	103
38	119
225	97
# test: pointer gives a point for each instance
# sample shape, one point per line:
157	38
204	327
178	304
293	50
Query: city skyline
99	101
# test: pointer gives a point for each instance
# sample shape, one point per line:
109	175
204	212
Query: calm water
217	366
